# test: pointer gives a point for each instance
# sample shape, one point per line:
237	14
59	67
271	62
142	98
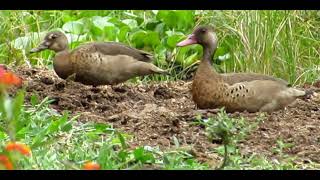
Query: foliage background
280	43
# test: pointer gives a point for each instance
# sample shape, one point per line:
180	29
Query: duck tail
147	56
160	71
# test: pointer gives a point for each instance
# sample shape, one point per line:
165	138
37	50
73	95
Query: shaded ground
156	113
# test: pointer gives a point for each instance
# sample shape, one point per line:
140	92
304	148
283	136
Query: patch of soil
299	125
155	113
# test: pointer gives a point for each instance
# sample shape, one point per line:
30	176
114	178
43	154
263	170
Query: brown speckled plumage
97	63
237	91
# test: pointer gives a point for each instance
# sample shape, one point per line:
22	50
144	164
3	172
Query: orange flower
8	78
22	148
4	160
91	166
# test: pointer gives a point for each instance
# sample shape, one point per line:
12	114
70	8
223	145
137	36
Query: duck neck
208	54
206	64
62	65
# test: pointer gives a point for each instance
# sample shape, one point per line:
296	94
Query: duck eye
53	36
203	30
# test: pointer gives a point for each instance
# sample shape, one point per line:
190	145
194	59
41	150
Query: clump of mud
155	113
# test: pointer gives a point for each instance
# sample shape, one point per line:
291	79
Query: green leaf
96	33
122	141
137	38
21	42
101	22
177	19
174	38
191	59
187	55
131	23
17	104
56	125
22	133
166	160
152	39
67	127
141	155
75	38
25	42
160	28
110	32
138	153
74	27
123	155
34	99
3	136
151	25
103	128
123	33
39	139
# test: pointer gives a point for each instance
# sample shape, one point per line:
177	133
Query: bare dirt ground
155	113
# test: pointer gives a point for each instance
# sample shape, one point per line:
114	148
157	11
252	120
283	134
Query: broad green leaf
75	37
25	42
137	38
110	33
151	25
138	153
177	19
130	22
141	155
152	39
21	42
74	27
160	28
174	38
191	59
123	33
101	22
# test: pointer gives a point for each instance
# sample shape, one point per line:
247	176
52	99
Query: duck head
55	41
203	35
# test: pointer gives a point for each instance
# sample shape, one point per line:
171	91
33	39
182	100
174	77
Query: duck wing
115	48
232	78
261	95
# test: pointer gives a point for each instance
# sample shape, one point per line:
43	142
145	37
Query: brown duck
97	63
235	92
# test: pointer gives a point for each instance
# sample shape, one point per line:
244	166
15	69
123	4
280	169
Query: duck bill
41	47
190	40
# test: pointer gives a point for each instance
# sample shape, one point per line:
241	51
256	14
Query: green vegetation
280	43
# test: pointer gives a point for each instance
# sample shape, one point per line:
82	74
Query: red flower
22	148
4	160
91	166
8	78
